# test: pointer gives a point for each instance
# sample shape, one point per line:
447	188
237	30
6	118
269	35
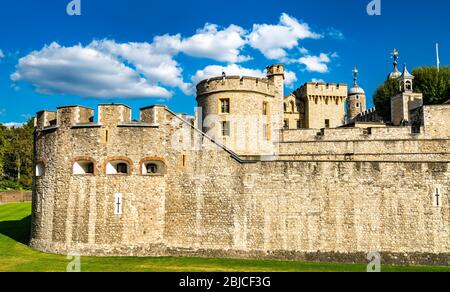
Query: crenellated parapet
236	84
108	115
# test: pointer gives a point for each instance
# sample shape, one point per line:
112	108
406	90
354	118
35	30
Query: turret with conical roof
406	80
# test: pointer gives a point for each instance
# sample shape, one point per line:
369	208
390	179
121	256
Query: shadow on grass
17	230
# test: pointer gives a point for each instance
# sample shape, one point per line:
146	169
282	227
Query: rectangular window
299	124
286	124
226	129
266	132
327	124
225	106
265	108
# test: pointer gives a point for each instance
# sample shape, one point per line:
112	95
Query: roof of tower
396	73
356	90
406	73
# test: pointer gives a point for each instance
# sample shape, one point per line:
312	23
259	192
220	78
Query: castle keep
255	174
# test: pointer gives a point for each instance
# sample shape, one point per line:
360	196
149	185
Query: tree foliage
383	96
16	156
434	85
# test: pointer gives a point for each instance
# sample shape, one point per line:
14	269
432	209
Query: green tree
434	85
16	156
382	98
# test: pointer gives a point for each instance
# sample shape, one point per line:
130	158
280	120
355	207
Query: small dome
395	75
356	90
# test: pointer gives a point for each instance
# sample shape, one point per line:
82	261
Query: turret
356	102
405	102
243	113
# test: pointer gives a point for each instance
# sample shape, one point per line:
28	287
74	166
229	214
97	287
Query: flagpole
437	57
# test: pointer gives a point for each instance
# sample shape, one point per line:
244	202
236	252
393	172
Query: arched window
285	107
153	166
40	169
122	168
83	167
119	167
408	85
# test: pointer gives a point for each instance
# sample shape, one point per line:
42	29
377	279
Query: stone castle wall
211	202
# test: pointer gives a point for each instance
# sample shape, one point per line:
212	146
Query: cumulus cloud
213	43
290	78
13	125
230	70
85	72
237	70
154	61
109	69
274	40
316	63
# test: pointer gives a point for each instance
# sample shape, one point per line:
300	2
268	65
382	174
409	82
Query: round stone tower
356	102
243	113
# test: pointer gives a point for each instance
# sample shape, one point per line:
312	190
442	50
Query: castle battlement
236	83
350	134
107	115
321	89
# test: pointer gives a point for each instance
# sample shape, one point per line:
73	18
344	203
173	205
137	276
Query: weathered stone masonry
336	196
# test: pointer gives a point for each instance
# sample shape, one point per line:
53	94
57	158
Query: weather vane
355	76
395	54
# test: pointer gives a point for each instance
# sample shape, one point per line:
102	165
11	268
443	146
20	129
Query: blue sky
49	59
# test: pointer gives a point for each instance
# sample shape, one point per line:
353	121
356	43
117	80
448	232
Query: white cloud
13	125
213	43
154	61
290	78
274	40
83	71
236	70
230	70
1	55
108	69
315	80
303	50
316	63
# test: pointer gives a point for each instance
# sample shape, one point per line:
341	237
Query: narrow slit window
118	204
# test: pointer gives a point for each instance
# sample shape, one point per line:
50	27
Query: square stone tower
275	74
406	101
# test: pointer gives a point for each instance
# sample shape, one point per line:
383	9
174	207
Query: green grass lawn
15	255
